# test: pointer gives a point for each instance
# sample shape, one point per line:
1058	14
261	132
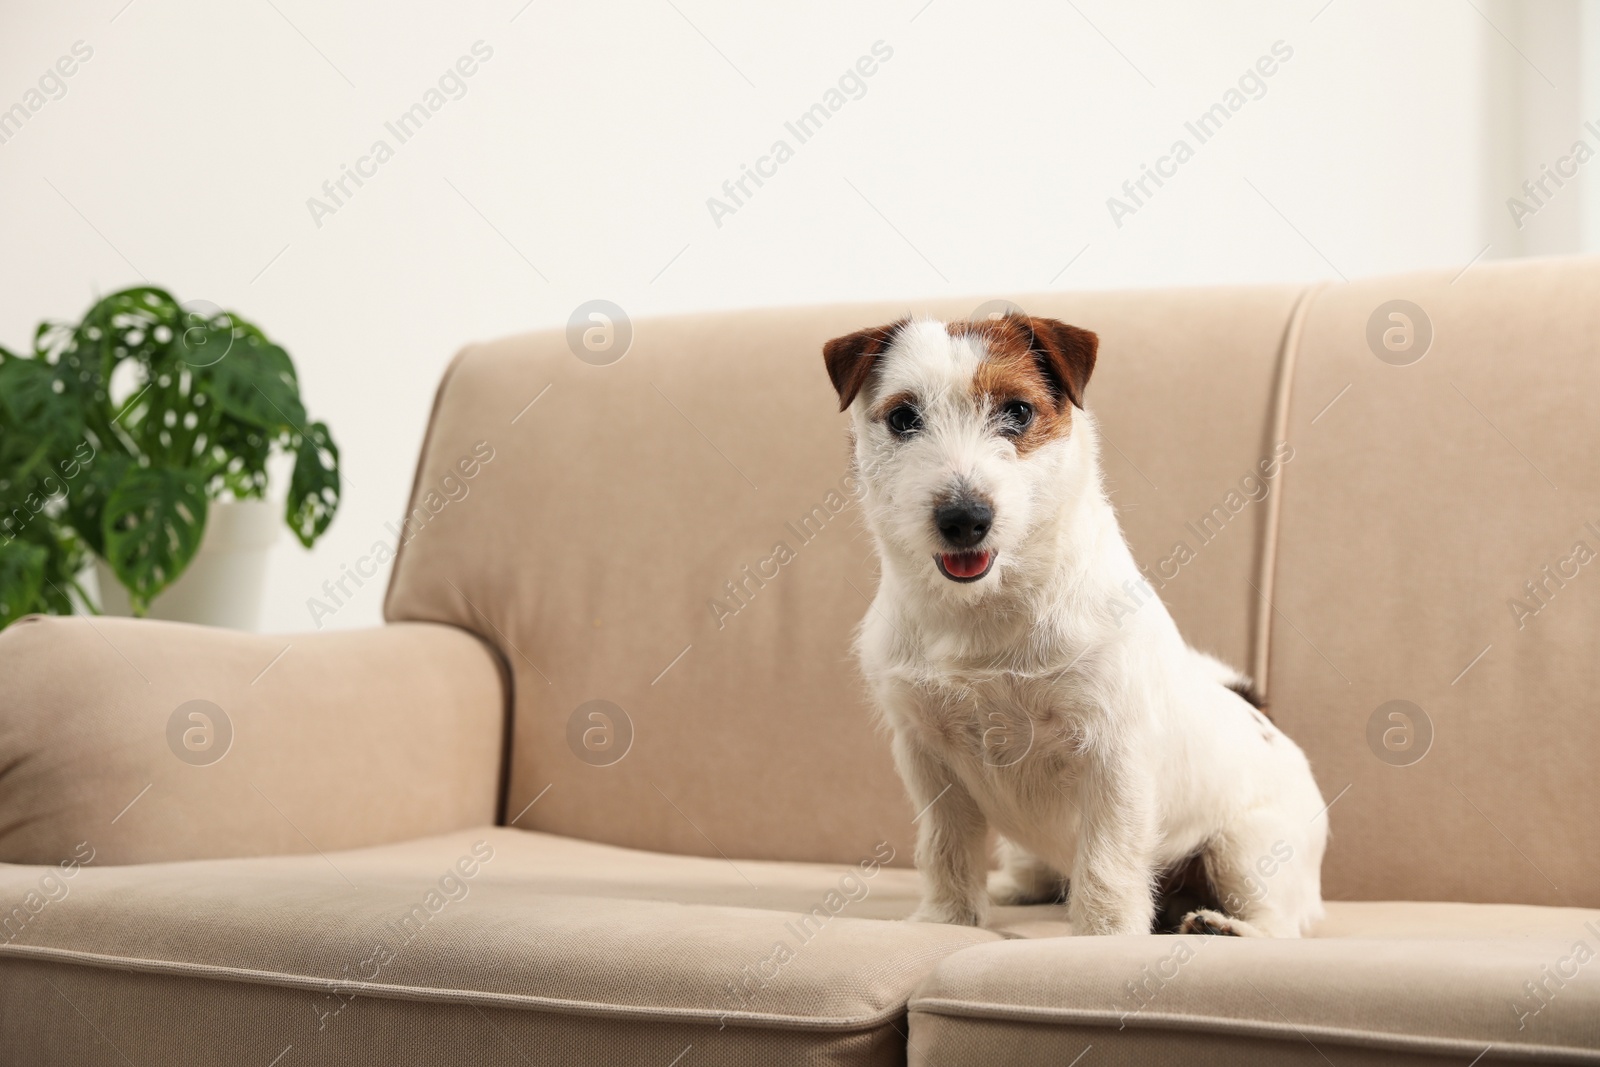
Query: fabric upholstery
484	943
1420	506
597	547
337	739
1379	983
198	1022
485	935
332	893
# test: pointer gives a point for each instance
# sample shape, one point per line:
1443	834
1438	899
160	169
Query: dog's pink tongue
965	564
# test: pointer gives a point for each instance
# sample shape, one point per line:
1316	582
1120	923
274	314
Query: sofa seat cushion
1378	983
485	946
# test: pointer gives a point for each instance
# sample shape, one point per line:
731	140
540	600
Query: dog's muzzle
963	523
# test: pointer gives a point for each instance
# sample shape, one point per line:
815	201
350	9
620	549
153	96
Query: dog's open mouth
964	566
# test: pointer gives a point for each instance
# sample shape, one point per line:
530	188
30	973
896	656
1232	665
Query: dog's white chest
1016	745
998	720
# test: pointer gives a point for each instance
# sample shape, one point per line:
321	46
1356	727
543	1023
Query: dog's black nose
964	522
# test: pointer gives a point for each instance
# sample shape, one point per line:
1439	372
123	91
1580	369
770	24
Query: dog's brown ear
850	358
1066	354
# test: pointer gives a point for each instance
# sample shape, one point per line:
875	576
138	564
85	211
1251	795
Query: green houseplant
117	432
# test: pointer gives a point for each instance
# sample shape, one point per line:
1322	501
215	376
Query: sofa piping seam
965	1009
1267	566
430	994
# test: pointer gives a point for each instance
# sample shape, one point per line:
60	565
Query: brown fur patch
881	410
1065	354
1014	370
850	359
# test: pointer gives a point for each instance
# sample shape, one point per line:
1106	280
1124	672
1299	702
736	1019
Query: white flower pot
222	585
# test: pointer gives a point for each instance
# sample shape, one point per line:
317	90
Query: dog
1126	773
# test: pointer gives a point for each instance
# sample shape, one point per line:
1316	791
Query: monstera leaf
256	383
116	432
314	488
86	502
152	525
37	407
22	569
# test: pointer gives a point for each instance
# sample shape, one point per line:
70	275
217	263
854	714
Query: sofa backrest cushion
1440	547
673	533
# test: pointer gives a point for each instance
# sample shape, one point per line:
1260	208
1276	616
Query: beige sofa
425	844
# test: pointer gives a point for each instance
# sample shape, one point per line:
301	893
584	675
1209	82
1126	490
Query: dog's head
961	433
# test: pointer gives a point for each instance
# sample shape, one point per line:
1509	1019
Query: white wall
1589	108
580	159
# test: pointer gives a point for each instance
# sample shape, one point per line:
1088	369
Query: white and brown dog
1124	770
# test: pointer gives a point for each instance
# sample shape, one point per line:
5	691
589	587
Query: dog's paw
950	914
1214	924
1006	891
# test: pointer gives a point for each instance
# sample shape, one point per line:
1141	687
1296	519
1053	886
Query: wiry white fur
1096	742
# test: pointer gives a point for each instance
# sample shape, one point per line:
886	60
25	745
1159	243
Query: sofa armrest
148	741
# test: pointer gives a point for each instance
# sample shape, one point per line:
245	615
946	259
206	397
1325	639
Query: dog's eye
1015	416
904	420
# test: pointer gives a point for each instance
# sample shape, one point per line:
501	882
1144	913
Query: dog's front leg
1113	873
951	838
